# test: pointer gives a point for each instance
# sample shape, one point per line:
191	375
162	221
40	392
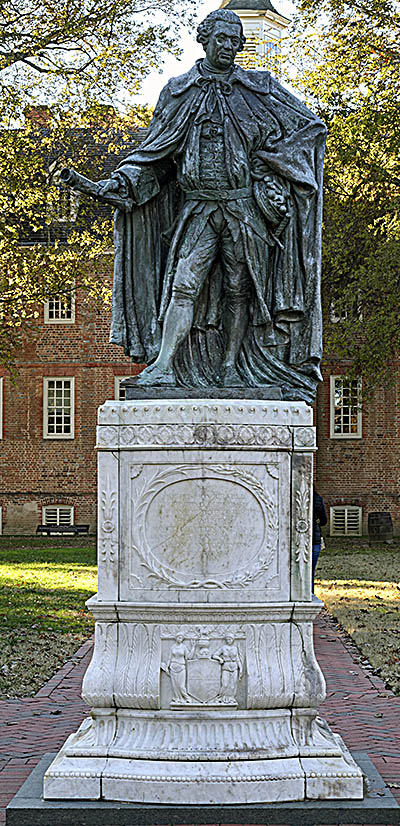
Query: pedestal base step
28	808
203	781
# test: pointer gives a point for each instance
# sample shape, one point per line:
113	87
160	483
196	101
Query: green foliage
43	587
83	49
61	66
347	60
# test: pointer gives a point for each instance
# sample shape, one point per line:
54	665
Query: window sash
60	309
58	408
346	412
120	392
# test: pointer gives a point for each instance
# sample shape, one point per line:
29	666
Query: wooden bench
62	529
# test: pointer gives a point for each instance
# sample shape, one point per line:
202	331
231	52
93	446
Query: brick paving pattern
358	706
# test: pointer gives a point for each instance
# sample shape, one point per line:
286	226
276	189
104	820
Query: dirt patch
30	658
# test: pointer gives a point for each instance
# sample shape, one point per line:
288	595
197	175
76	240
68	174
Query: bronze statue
217	264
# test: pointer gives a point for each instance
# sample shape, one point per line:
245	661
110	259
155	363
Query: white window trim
337	318
44	508
1	520
53	179
117	380
71	320
334	435
1	405
57	436
346	508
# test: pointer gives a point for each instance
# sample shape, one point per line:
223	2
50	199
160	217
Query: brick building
47	457
358	460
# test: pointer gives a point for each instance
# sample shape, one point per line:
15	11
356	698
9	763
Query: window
1	520
346	520
119	392
345	408
58	515
60	310
339	312
1	407
58	408
253	50
262	45
62	202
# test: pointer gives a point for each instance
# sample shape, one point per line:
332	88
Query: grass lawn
361	590
44	583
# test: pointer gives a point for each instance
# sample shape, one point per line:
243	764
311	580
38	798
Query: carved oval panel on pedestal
197	526
213	528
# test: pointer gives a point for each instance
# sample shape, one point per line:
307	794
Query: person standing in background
319	520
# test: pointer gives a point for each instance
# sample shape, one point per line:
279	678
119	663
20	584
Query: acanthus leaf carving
137	683
302	506
108	544
268	663
97	687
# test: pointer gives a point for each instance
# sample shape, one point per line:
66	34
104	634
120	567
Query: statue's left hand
275	199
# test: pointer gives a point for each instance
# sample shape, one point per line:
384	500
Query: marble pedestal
204	686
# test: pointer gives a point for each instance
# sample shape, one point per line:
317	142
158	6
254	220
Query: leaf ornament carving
108	525
302	521
138	667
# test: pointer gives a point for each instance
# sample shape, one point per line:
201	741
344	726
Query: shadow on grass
45	609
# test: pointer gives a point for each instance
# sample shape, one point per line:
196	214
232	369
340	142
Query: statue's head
221	35
179	638
229	639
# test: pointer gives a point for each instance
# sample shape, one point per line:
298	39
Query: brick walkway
358	706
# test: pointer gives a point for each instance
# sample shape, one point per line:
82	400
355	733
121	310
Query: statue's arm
217	655
145	170
112	192
135	181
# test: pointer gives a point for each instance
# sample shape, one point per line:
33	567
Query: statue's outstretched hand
115	185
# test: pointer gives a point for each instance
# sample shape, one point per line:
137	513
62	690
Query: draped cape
268	135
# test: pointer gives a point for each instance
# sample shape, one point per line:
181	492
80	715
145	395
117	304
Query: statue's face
223	44
179	638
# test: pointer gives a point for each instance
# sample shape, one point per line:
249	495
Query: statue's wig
206	27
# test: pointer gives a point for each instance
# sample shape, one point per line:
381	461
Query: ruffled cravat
215	89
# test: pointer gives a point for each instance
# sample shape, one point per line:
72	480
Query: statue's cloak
268	126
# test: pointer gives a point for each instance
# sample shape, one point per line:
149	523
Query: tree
82	47
61	66
347	59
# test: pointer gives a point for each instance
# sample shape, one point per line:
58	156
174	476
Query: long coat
268	133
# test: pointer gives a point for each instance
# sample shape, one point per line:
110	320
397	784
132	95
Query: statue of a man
217	271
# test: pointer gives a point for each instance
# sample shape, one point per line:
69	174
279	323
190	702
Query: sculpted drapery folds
217	271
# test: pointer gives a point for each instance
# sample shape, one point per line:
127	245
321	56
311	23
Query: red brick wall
362	472
35	471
